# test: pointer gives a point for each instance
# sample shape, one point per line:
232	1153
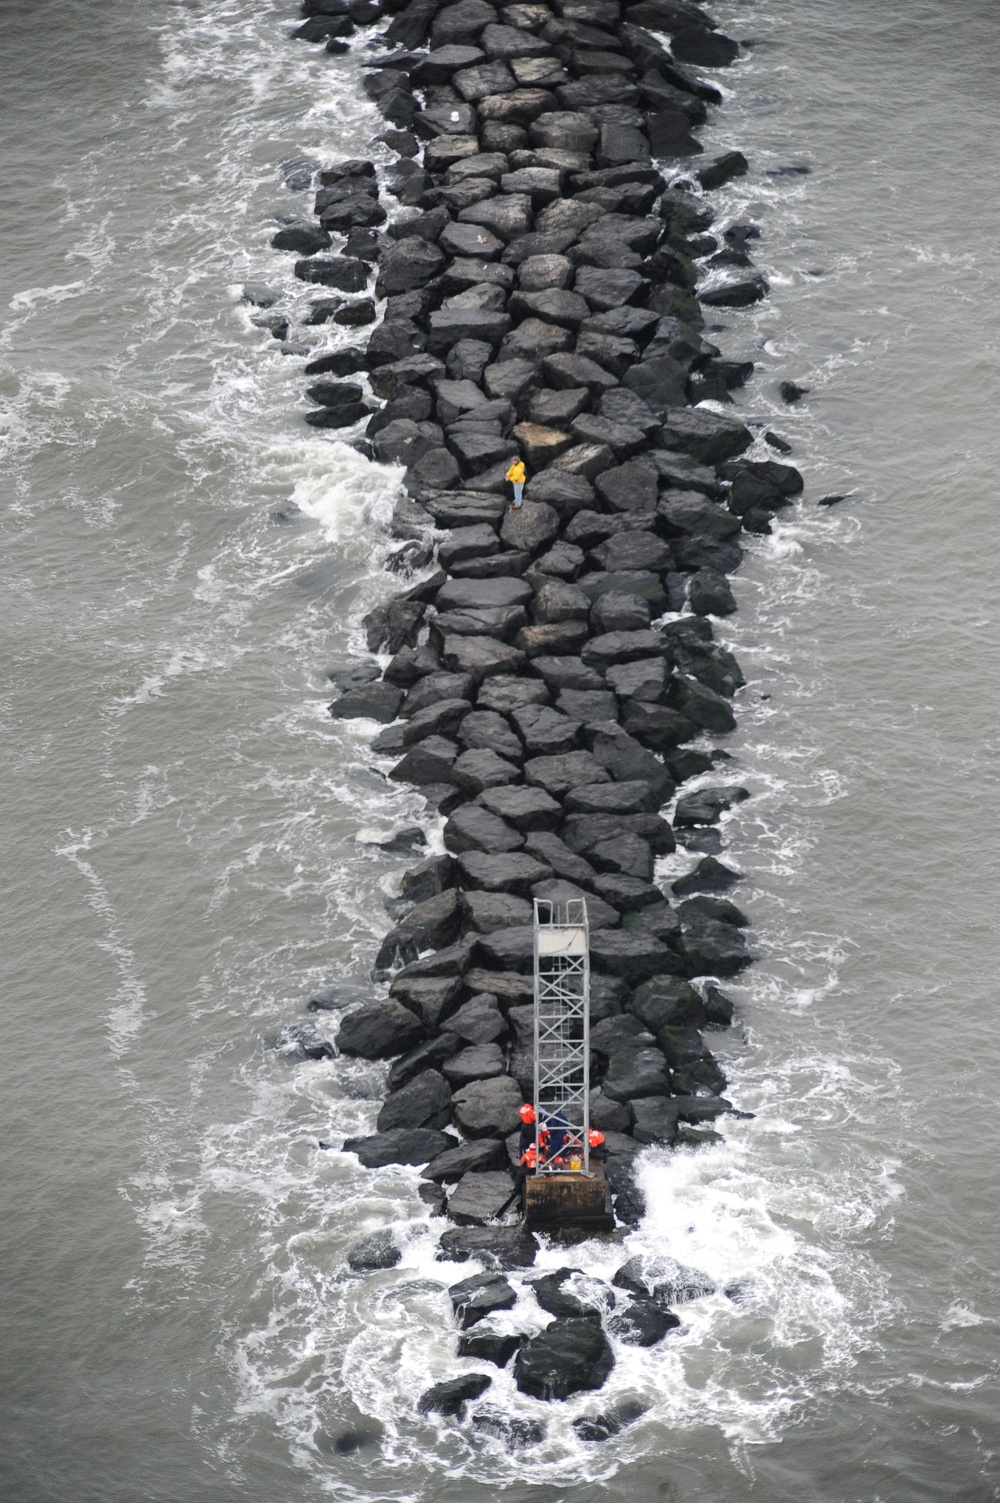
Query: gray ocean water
182	864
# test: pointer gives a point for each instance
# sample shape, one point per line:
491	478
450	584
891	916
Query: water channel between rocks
184	870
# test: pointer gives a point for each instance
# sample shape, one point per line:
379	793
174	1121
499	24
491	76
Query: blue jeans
518	491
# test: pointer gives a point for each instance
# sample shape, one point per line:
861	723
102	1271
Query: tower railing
562	1036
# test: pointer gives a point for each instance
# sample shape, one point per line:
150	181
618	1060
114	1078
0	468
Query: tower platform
568	1202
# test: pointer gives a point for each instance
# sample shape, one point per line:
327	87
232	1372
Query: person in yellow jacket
516	476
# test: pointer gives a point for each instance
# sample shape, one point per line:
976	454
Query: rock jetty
531	271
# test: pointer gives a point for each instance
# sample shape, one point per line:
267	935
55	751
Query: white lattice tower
562	1023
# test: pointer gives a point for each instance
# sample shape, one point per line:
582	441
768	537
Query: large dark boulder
723	169
707	805
555	1298
378	1030
507	949
635	1073
736	292
636	957
408	264
706	49
402	1145
709	593
524	808
569	1356
480	1020
667	1002
715	949
430	997
428	762
611	1421
655	1119
424	1101
698	911
512	1430
558	774
487	1108
347	274
478	1062
701	706
509	871
708	437
709	875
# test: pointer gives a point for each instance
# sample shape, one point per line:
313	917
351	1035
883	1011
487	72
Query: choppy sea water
184	868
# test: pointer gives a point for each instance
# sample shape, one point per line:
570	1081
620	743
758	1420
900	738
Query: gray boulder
706	436
524	808
478	1062
668	1281
488	1108
635	1073
480	1021
473	828
510	871
378	1030
558	774
379	1250
654	1119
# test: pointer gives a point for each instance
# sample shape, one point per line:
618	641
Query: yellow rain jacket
516	472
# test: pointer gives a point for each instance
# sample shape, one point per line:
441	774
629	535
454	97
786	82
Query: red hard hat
527	1113
595	1138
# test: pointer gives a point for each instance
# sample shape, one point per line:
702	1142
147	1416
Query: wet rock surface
569	1356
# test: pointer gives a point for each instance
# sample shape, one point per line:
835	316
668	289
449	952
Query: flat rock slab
479	1198
569	1356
